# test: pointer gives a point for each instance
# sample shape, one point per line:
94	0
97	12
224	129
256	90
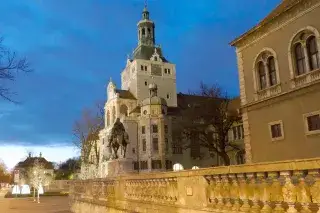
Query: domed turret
154	99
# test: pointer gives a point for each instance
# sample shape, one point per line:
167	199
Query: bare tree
10	65
5	176
86	132
207	120
38	177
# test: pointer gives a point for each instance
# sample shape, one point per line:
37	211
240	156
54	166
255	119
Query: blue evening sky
75	46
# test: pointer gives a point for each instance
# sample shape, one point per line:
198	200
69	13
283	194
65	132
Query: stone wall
59	185
287	186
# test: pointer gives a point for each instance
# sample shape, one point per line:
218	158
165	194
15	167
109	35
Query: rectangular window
234	131
156	164
143	130
168	71
144	145
237	132
166	129
276	130
176	148
313	122
165	71
166	144
154	128
135	165
155	144
145	68
144	165
169	165
142	67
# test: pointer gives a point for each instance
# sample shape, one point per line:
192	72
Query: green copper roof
145	52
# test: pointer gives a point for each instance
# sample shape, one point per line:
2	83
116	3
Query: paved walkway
54	204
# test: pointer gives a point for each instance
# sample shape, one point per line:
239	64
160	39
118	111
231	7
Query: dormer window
156	58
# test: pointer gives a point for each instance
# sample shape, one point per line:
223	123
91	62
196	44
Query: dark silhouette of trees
68	168
86	131
207	120
10	65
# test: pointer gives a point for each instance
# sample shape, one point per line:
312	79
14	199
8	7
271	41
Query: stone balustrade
287	186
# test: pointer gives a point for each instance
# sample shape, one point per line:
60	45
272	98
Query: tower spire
145	4
146	34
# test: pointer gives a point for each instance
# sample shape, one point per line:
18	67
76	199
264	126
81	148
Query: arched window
108	118
149	32
124	110
143	32
272	71
300	59
262	75
313	53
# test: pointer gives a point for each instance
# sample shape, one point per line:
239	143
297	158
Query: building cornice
283	19
309	88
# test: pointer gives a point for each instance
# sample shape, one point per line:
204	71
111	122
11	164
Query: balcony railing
305	79
288	186
268	92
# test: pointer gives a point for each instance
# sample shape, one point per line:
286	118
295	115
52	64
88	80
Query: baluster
276	192
167	189
161	190
217	192
289	192
210	191
150	190
226	193
234	194
175	187
244	193
315	187
264	190
303	192
253	191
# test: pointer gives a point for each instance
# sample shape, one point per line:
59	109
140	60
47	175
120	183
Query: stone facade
147	114
280	83
288	186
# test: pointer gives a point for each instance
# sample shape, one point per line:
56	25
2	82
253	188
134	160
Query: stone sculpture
119	138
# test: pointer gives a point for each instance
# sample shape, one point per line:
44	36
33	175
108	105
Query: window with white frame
312	122
237	132
266	70
305	52
276	130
